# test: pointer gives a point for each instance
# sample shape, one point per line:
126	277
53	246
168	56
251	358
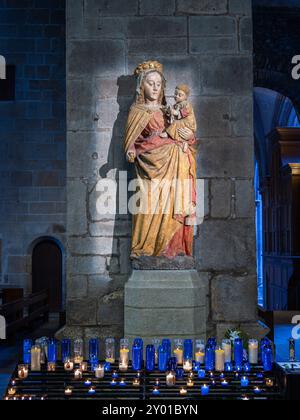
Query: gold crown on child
149	66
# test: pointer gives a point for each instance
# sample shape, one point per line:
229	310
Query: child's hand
164	135
131	156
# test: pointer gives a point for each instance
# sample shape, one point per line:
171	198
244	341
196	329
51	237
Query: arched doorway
47	272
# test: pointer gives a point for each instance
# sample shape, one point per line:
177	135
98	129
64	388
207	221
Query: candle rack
52	386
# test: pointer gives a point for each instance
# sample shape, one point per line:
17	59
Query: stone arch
31	252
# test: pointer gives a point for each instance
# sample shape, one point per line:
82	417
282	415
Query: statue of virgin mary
166	174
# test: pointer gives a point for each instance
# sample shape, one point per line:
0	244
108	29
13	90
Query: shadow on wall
116	162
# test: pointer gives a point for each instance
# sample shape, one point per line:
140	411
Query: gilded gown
168	231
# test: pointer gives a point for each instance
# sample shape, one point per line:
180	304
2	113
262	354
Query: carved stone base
165	304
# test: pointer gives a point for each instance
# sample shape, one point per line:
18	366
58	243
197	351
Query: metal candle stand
52	386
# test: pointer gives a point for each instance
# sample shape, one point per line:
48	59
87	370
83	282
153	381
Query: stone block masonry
207	44
32	134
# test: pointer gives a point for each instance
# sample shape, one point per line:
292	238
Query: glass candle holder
227	347
78	375
183	391
188	352
204	390
35	358
200	351
166	343
201	374
136	382
156	343
65	350
212	342
228	367
88	382
162	359
27	345
92	391
150	358
138	342
238	352
69	365
264	342
253	351
268	358
68	391
172	364
78	350
83	366
99	372
187	365
219	360
171	379
110	350
269	383
122	382
156	391
52	350
12	391
190	383
124	355
94	352
51	367
179	373
244	382
178	351
23	372
137	360
43	343
209	358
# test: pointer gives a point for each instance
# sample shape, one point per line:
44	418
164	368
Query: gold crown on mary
149	66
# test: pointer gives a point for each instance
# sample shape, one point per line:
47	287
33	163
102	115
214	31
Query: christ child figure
181	116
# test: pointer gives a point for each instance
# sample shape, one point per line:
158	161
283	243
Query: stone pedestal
165	304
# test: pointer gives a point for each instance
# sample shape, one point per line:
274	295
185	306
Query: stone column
207	44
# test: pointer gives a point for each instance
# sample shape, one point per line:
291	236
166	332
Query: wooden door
47	272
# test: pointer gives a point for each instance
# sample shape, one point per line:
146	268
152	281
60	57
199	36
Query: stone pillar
207	44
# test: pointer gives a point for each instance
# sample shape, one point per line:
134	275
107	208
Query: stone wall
32	134
207	44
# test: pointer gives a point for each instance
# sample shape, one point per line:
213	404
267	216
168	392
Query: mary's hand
186	134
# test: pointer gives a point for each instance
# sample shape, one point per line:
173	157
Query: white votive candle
253	351
220	360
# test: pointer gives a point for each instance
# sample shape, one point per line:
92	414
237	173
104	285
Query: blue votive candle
244	382
172	364
52	350
167	345
27	344
247	367
201	374
238	353
94	352
268	358
65	350
228	367
150	358
138	342
212	342
137	359
204	390
210	358
188	350
162	359
179	373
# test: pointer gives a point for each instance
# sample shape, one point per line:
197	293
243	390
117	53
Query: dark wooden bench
26	313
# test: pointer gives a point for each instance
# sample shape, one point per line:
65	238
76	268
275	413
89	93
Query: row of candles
187	358
213	357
